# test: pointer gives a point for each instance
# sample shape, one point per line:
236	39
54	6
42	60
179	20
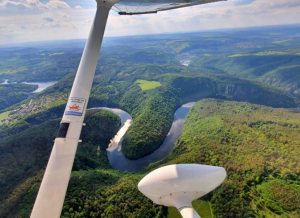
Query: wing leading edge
134	7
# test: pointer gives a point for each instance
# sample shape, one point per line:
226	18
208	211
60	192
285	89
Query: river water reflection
41	85
115	155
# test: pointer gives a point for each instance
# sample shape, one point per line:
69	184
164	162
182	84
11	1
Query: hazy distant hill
280	70
153	58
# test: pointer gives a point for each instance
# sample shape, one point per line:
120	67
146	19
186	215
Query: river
114	150
186	63
5	82
41	85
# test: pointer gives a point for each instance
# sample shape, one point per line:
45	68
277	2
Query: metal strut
51	195
189	212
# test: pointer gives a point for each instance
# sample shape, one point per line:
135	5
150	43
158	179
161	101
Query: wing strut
51	195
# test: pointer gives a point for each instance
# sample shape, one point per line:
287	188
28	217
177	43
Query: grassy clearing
21	69
8	72
180	46
262	53
266	53
203	208
145	85
283	41
238	55
58	53
4	115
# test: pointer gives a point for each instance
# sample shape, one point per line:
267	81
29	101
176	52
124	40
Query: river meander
114	150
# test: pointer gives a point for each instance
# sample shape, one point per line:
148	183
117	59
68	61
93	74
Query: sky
39	20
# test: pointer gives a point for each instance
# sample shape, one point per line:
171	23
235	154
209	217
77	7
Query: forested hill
11	94
257	145
152	58
24	156
259	148
276	68
153	108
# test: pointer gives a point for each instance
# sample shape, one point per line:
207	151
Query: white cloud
10	7
227	14
69	22
77	6
57	4
64	15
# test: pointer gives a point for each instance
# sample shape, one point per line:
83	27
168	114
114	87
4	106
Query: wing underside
131	7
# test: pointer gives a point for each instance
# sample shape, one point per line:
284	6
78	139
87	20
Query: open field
262	53
145	85
283	41
4	115
58	53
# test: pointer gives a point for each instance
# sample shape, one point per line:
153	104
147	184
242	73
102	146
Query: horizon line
22	44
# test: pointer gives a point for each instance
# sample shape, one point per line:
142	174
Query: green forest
280	70
11	94
19	173
257	145
245	83
152	110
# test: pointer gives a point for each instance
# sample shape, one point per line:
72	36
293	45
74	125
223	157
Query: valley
245	83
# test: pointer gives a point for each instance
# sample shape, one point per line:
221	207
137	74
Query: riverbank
114	150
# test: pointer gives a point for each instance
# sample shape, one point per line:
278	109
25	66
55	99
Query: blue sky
34	20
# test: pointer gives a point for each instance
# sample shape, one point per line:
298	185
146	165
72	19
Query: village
34	105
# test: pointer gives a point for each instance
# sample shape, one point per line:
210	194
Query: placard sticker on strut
75	106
